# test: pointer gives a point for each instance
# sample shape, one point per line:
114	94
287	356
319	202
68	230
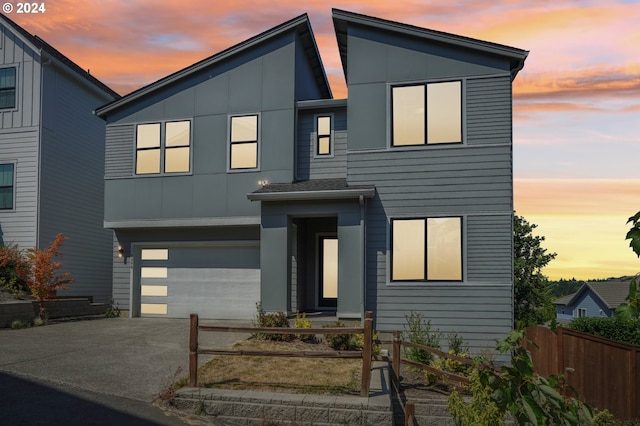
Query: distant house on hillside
593	299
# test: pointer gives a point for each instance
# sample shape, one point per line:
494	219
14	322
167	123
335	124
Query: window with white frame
7	88
323	135
426	249
7	182
243	142
582	312
163	147
428	113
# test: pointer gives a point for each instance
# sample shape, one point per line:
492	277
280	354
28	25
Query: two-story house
52	158
240	180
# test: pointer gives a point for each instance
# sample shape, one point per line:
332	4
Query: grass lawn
282	374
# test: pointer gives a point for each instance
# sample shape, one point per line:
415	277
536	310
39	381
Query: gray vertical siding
71	193
15	53
310	166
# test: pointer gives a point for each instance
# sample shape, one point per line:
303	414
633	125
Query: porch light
120	251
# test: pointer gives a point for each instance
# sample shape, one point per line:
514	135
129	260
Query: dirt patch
282	374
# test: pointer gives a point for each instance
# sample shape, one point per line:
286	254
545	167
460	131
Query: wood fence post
193	351
395	361
409	414
366	354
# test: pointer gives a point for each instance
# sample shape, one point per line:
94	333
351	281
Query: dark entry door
328	271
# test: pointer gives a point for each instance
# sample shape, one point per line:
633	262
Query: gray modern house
52	158
240	179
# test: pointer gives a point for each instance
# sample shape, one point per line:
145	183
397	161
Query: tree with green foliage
631	309
532	299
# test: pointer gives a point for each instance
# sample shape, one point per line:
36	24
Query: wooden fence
365	354
602	371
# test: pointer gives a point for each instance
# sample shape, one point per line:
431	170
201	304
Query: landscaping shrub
457	347
11	261
278	319
620	330
339	342
301	321
359	342
418	330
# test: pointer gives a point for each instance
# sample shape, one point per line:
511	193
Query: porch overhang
315	189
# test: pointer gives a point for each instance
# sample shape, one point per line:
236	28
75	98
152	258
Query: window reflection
408	249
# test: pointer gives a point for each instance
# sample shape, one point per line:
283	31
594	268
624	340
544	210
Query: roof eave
290	25
312	195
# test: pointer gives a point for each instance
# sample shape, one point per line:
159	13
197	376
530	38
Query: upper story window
172	138
425	114
426	249
8	87
243	143
6	186
324	144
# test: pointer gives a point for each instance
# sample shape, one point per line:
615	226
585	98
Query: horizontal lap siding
310	167
488	109
119	151
473	180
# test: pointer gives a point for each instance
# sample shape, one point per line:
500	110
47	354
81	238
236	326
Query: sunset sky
576	103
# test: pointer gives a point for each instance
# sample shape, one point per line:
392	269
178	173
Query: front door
328	272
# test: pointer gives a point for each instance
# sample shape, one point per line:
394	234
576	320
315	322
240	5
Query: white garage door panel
219	282
213	293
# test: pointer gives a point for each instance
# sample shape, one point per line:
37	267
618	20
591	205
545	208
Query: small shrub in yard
359	342
113	311
278	319
301	321
457	347
418	330
17	324
339	342
12	263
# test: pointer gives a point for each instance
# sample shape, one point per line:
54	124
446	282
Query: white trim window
7	186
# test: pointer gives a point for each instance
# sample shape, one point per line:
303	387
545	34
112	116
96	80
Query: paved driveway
131	358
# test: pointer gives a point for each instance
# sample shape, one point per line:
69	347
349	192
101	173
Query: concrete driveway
131	358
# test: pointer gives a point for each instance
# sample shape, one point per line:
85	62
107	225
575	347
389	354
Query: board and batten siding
310	166
72	185
14	53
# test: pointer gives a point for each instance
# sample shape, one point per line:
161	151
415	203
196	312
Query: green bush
480	410
418	330
17	324
339	342
301	321
278	319
10	280
620	330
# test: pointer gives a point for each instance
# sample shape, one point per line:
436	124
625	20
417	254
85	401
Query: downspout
363	257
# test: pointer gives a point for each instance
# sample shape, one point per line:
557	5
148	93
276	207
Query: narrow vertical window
243	147
408	250
444	112
323	143
177	146
444	249
7	88
408	115
148	148
6	186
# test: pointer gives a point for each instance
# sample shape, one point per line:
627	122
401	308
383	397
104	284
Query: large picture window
7	88
172	138
243	146
425	114
7	176
426	249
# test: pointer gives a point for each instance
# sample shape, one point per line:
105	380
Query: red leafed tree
41	274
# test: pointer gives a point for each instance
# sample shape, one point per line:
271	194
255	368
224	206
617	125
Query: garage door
219	282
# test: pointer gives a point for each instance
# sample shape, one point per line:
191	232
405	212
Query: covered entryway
217	281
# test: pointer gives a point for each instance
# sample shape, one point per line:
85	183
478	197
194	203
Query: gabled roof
342	19
300	24
611	292
313	189
45	49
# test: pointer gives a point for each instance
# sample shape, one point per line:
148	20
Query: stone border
27	310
